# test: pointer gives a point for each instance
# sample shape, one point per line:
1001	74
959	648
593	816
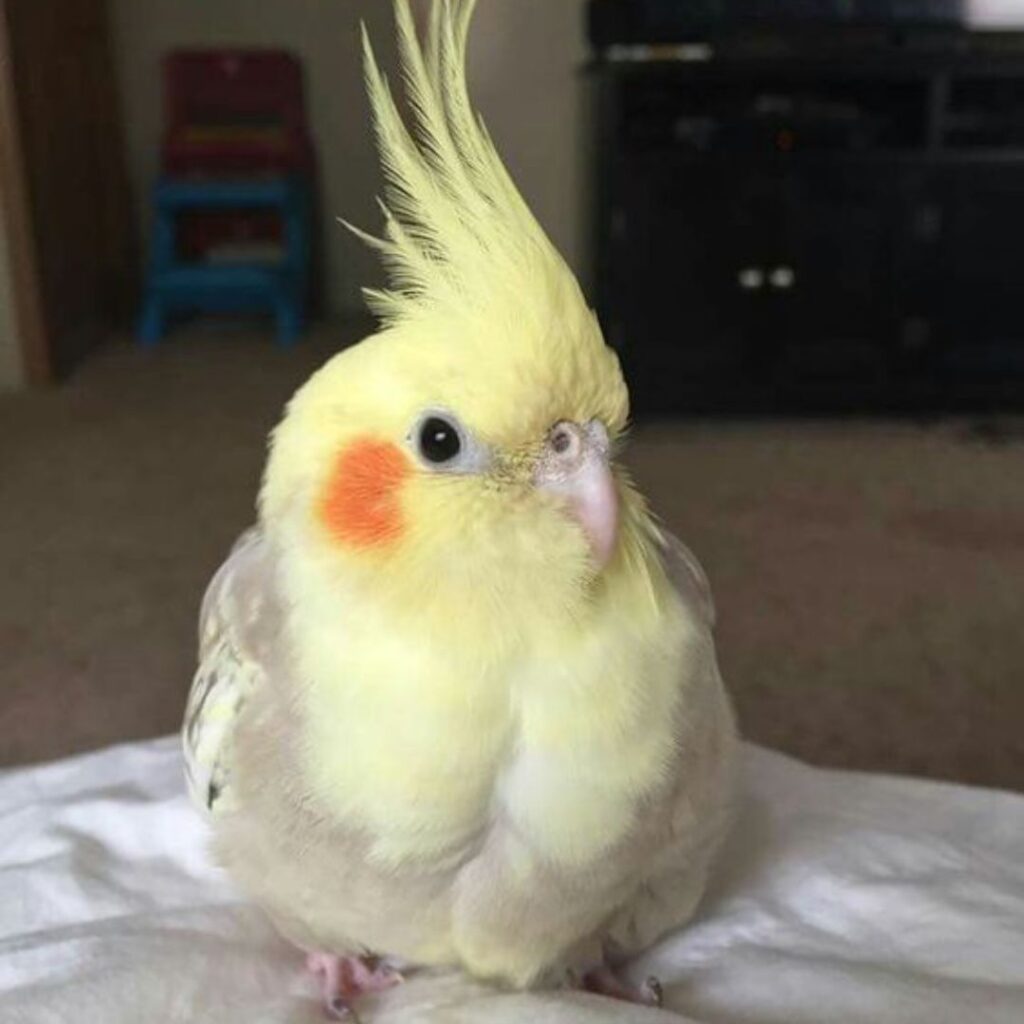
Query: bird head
462	456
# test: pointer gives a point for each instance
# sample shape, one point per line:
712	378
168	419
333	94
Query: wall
524	67
11	368
526	73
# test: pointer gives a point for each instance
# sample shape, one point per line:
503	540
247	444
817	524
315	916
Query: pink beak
574	466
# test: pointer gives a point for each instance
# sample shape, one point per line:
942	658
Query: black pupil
439	441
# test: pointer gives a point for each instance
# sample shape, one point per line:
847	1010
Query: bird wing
687	576
239	619
699	808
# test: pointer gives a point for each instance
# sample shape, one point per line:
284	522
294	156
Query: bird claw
653	991
603	981
342	1010
344	979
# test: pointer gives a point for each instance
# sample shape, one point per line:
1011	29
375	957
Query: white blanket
842	898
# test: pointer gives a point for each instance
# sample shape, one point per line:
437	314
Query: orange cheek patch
361	506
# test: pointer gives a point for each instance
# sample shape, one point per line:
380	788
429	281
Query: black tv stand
814	227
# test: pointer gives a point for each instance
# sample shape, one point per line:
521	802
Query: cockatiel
458	703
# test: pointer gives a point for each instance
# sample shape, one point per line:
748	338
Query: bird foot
603	981
343	979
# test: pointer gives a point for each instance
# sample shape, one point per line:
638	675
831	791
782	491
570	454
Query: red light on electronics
785	141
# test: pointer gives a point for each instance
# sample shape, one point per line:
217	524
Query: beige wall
526	70
11	369
524	66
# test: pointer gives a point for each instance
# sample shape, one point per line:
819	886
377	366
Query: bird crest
457	231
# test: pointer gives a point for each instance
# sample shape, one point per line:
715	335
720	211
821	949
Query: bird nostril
561	440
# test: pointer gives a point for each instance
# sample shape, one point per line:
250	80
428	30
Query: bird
458	704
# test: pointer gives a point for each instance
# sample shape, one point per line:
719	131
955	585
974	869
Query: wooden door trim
15	199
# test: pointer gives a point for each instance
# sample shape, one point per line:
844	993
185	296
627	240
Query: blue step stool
281	288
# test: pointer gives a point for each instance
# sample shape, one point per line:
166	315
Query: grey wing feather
687	577
237	621
700	807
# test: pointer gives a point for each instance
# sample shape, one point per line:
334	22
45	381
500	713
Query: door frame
29	312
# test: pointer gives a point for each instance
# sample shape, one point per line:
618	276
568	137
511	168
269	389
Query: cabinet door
835	267
672	305
979	256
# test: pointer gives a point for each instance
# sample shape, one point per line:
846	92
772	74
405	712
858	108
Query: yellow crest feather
456	228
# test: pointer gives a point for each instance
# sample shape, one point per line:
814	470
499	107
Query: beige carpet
869	577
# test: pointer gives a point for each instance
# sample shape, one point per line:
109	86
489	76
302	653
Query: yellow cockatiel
458	703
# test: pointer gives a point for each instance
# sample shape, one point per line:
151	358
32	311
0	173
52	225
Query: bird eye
439	441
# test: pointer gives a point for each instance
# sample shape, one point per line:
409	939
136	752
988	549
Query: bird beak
574	466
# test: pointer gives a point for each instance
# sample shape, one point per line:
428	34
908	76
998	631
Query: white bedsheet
841	898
